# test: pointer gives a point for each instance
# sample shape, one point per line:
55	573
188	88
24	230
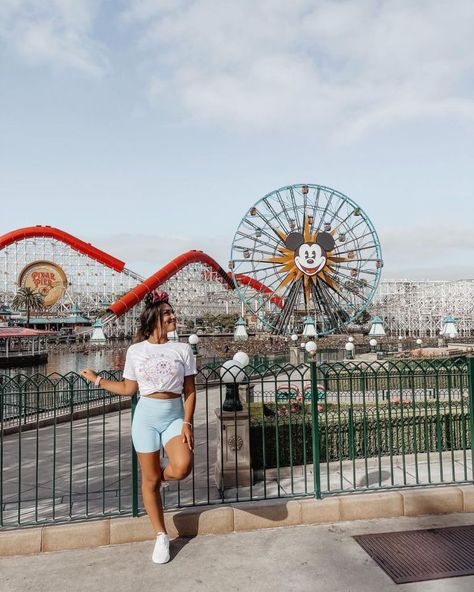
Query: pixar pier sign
45	277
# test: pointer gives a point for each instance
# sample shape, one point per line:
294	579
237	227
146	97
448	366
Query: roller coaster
100	285
301	252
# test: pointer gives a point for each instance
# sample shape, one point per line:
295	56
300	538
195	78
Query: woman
161	370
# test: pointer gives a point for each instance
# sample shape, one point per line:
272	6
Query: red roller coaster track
60	235
137	293
165	273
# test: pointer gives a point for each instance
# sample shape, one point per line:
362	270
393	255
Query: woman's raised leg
180	459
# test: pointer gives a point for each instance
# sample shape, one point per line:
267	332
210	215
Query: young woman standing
162	371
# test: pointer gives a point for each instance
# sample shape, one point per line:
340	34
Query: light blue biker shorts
155	422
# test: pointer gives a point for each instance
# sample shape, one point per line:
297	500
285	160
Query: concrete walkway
303	558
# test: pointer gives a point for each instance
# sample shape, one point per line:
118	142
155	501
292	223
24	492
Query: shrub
286	439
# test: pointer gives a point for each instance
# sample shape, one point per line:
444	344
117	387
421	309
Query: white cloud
146	254
341	67
57	33
430	251
413	252
430	272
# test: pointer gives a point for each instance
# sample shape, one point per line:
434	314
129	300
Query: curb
240	517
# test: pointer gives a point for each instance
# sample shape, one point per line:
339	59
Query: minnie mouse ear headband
156	297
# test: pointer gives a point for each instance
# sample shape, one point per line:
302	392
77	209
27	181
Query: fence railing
310	430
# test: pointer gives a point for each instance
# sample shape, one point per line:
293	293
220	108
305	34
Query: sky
150	127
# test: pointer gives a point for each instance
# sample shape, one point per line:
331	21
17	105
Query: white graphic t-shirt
159	367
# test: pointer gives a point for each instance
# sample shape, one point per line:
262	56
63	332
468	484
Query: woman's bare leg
151	479
180	460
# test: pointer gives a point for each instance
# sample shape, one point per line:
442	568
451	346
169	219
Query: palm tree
29	299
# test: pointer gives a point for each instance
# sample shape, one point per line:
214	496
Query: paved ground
300	559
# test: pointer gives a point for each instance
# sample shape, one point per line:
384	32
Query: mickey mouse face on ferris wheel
310	257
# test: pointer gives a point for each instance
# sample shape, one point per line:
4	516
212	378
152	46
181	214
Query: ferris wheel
308	251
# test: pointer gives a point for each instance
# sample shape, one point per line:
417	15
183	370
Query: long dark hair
150	318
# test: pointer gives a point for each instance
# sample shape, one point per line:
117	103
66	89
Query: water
64	362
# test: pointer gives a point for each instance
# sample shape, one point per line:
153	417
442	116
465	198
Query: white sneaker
161	552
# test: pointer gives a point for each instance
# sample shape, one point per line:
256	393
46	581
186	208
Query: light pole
442	342
193	340
241	358
311	348
350	340
349	347
377	328
240	331
232	374
232	467
449	329
294	354
309	328
302	350
373	345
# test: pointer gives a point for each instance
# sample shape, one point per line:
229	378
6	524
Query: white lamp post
419	342
373	344
294	352
232	374
240	332
302	350
98	335
311	348
241	358
309	328
193	340
449	329
376	328
349	347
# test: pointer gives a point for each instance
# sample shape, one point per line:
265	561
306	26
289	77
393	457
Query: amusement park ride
302	250
314	252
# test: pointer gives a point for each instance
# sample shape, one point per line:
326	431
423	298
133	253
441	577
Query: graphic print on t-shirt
157	368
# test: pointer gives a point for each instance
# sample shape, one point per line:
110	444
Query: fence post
315	428
350	434
2	402
470	362
134	467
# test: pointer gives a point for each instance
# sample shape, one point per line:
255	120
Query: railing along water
310	430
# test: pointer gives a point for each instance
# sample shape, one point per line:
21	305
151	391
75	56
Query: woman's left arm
189	390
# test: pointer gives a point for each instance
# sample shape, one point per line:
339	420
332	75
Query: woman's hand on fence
89	374
188	436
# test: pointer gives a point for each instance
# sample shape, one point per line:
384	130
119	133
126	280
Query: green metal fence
312	430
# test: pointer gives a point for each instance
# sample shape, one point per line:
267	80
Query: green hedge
287	441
